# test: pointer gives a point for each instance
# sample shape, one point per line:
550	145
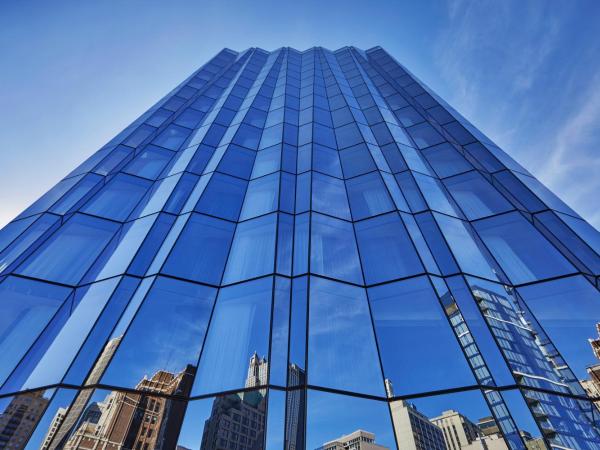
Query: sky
527	73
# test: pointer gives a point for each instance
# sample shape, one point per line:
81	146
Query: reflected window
235	356
522	252
222	197
329	196
340	334
476	196
27	307
201	250
118	197
253	249
418	348
67	255
333	250
340	421
368	196
385	249
165	338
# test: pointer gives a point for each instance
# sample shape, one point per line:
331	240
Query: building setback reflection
357	440
20	418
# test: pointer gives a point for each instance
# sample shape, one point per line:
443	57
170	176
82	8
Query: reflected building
258	370
295	409
414	430
57	421
592	384
357	440
459	432
140	421
20	418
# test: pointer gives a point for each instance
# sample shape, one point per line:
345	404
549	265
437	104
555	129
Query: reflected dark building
357	440
139	421
20	418
295	409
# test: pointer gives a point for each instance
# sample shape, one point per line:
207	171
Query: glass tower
299	250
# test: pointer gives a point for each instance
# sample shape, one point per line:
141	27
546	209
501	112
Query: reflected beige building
414	430
357	440
20	418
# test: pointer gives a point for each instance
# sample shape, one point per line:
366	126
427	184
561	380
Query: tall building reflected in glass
298	251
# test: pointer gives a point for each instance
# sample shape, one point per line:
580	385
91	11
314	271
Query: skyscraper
284	236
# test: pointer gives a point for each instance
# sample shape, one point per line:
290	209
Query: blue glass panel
117	199
343	341
267	161
468	254
386	249
280	334
348	135
434	194
476	196
301	225
333	250
222	197
167	333
201	250
261	197
326	160
408	321
151	244
172	137
446	161
329	196
247	136
11	231
425	135
569	328
190	118
237	161
89	301
230	350
356	161
253	249
368	196
69	253
86	187
149	163
50	197
522	252
27	307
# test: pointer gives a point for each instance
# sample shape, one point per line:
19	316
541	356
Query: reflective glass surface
300	250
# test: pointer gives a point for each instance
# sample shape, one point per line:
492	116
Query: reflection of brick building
592	384
137	421
19	419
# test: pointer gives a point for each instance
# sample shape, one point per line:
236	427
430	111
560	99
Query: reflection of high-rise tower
84	396
57	421
458	430
136	420
20	418
414	430
237	421
257	371
357	440
592	384
295	409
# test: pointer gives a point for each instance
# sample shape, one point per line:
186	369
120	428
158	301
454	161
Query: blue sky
76	73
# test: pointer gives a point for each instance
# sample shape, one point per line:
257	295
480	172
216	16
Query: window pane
230	351
522	252
385	249
27	307
338	421
356	161
476	196
67	255
446	160
222	197
340	334
329	196
172	137
253	249
368	196
149	163
118	197
408	319
201	250
237	161
166	334
333	249
261	197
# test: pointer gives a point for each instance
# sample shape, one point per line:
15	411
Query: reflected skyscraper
289	246
357	440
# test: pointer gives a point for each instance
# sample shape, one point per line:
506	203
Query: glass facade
299	251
